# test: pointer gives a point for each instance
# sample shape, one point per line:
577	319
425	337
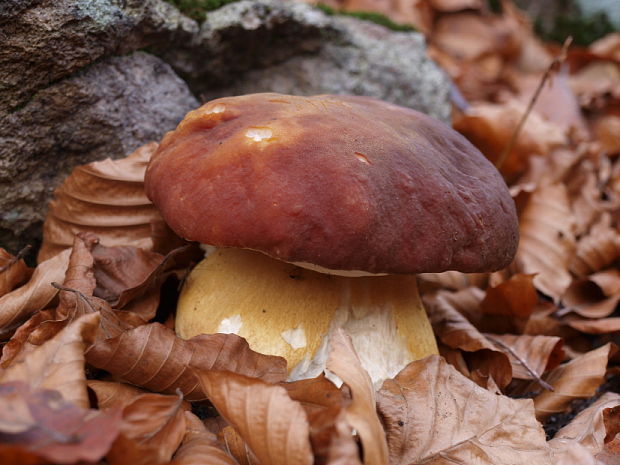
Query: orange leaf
274	426
105	197
361	414
153	357
434	415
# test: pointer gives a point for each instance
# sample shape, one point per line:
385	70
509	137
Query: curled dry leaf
587	429
594	297
589	326
490	127
154	357
58	363
111	394
13	272
453	420
530	356
274	426
598	249
361	414
18	305
577	379
547	243
105	197
45	428
200	446
455	331
19	343
152	429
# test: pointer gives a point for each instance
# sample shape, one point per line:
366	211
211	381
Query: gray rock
42	41
270	45
107	110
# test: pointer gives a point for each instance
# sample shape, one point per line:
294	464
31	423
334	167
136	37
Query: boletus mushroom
318	212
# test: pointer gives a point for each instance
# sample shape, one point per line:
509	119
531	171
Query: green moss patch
377	18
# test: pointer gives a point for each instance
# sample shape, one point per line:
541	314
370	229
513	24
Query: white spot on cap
231	325
295	337
217	108
363	158
259	134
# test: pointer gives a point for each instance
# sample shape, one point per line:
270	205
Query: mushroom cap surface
341	182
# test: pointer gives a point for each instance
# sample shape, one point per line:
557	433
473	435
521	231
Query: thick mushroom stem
282	309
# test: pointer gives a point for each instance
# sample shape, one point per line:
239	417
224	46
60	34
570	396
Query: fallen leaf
153	357
58	363
453	420
607	46
589	326
19	341
13	272
455	331
274	426
200	446
104	197
361	414
490	127
455	280
587	430
607	133
46	428
152	429
112	394
18	305
577	379
547	243
530	356
594	297
596	250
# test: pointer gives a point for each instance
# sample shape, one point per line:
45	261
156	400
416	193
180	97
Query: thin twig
15	259
557	61
530	370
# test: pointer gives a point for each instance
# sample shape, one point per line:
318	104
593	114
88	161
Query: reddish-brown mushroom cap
342	182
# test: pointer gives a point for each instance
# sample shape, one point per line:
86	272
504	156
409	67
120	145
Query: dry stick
15	259
550	69
529	369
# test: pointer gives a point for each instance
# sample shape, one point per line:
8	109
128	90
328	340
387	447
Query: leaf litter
93	372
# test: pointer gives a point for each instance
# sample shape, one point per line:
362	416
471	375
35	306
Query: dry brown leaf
577	379
587	430
19	341
607	47
606	129
111	394
361	414
315	394
596	81
105	197
455	280
455	331
490	127
154	357
547	243
598	249
274	426
200	446
18	305
236	446
341	448
515	297
13	272
589	326
44	428
434	415
58	363
530	356
152	429
594	297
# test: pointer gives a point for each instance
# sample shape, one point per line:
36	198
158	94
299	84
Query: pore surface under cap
343	182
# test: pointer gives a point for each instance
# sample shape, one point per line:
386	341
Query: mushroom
317	212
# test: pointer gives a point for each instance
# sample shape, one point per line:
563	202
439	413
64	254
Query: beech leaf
152	429
18	305
58	363
274	426
547	243
104	197
577	379
434	415
154	357
361	414
13	272
52	429
200	446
